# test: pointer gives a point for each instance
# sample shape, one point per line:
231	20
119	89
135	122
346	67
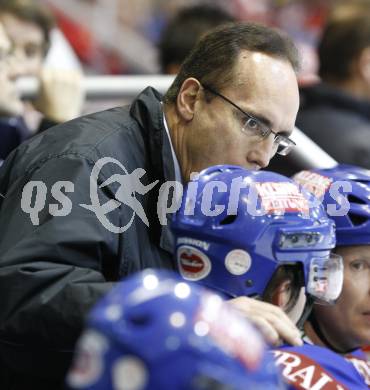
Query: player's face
347	324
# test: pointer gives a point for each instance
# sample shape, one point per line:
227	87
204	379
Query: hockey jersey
312	367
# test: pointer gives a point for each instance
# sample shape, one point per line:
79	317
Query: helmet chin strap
301	309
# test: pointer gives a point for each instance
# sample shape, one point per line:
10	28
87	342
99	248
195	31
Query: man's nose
262	152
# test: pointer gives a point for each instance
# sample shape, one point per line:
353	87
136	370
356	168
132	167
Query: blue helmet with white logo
345	193
236	227
154	331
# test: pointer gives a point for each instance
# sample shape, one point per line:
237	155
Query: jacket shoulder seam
44	160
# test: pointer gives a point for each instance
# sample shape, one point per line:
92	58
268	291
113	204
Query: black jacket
338	122
51	274
13	131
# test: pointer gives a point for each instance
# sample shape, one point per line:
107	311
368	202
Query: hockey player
251	233
345	327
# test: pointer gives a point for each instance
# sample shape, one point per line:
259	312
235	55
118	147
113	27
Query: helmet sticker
238	262
191	241
229	331
88	365
280	197
314	182
193	264
129	373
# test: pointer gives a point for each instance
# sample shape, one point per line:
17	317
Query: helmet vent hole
357	219
228	220
355	199
139	320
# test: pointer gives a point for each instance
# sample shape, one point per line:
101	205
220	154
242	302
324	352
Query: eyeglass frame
290	143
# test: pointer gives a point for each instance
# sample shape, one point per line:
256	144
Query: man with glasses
256	128
234	101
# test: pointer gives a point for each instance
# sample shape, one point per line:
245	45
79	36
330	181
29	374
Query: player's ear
281	294
277	290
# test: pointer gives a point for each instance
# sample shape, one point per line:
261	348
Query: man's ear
187	97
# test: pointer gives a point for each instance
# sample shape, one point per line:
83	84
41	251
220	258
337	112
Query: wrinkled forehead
263	70
261	81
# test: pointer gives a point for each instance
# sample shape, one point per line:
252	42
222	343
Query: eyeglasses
254	127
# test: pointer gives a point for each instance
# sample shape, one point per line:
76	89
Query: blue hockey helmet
236	227
155	331
345	193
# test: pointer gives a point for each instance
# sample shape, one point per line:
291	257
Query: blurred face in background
10	103
28	44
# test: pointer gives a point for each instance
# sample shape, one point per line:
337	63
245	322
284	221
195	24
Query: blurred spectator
12	129
10	104
344	9
28	26
338	108
183	32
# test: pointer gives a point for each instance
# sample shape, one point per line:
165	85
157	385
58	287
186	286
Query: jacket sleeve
53	271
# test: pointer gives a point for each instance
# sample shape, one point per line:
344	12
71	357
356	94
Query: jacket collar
148	112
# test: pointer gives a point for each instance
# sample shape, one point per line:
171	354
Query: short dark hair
31	11
213	58
185	29
342	41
